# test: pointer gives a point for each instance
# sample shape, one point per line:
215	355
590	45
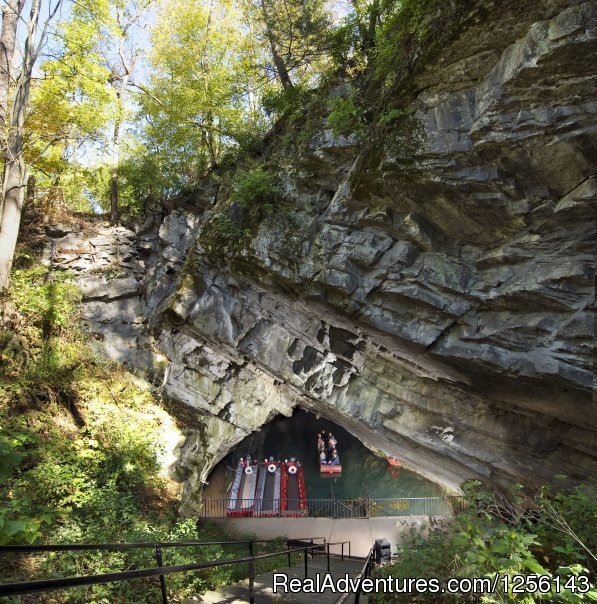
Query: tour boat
242	494
329	470
267	496
293	491
393	467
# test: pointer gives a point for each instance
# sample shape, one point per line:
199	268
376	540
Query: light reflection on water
296	436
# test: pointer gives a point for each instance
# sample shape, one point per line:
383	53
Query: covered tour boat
267	496
242	494
293	500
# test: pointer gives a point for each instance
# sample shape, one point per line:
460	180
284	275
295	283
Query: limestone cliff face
432	291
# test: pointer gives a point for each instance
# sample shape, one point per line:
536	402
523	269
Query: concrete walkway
360	532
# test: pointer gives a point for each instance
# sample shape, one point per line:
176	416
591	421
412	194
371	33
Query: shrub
345	117
255	188
496	537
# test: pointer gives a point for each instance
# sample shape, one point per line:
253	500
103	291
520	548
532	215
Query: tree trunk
10	19
114	195
31	190
370	32
14	167
280	67
114	209
279	63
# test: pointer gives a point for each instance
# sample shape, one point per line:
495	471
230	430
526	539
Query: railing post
159	561
306	573
328	552
349	556
252	576
357	595
288	548
342	555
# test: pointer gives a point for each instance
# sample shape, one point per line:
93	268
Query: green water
296	436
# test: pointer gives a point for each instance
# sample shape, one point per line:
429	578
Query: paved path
238	593
360	532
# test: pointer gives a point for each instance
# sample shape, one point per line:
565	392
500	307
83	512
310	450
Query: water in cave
296	436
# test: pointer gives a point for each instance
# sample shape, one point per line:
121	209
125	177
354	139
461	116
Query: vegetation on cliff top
142	100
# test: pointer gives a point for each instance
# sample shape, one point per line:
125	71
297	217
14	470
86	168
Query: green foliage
399	20
45	299
252	197
564	511
344	40
346	116
201	100
289	103
390	116
224	228
71	106
294	34
255	188
81	452
479	543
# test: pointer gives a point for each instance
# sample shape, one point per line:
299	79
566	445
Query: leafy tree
72	103
200	99
11	12
296	34
126	22
14	175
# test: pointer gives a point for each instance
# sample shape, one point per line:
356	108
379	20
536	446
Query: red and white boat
293	490
242	494
267	495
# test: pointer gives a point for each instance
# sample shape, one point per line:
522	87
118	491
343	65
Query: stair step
238	593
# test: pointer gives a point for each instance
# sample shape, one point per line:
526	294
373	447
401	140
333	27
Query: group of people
326	445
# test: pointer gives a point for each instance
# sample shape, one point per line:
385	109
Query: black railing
363	574
358	507
302	546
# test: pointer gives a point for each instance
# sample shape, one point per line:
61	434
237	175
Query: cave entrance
362	470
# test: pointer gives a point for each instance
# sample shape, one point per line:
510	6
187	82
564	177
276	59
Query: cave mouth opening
296	436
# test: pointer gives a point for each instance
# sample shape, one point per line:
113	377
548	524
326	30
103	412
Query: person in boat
334	460
332	442
322	458
320	443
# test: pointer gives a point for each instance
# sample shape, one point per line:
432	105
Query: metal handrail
123	546
365	572
39	586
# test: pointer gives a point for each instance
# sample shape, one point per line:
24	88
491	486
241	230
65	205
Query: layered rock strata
433	293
